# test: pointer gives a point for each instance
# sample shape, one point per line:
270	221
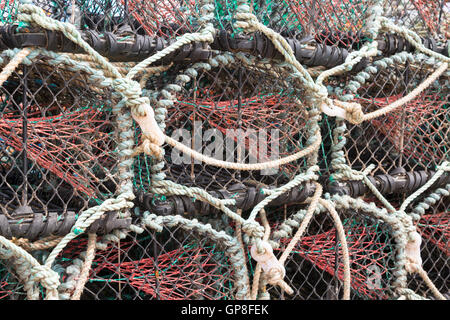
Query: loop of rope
353	110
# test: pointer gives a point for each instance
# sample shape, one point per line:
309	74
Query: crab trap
224	150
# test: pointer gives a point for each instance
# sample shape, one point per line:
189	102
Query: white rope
245	166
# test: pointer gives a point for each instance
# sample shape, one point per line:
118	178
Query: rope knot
150	147
274	271
253	229
350	111
353	111
355	114
152	221
46	276
152	133
246	20
130	89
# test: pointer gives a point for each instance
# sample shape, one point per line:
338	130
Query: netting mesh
58	152
171	265
182	135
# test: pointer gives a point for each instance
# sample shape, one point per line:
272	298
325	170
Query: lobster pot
415	135
236	113
315	267
249	146
155	17
58	148
328	21
173	264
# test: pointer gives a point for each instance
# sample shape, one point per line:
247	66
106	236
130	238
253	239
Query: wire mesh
63	129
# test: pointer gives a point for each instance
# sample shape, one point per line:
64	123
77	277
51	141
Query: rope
309	214
38	273
13	64
257	275
419	270
241	243
343	240
346	172
41	244
90	255
441	169
353	110
245	166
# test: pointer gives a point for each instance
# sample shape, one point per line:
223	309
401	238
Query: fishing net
224	150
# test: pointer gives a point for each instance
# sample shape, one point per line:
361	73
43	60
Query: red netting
163	17
324	18
429	12
65	143
261	112
4	3
4	292
416	130
369	251
435	227
181	274
193	271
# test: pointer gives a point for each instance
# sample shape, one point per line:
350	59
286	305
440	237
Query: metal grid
59	152
49	117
